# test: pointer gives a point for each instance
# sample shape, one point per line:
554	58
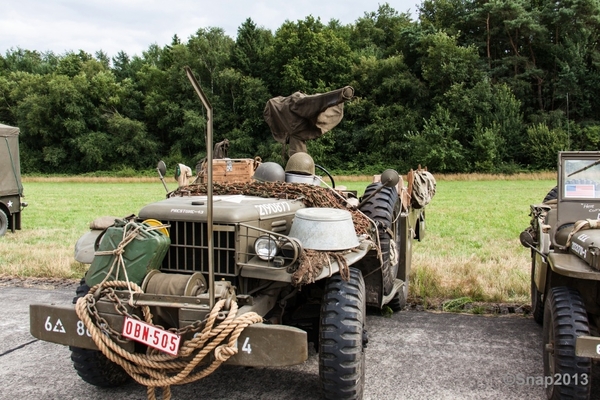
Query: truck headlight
266	248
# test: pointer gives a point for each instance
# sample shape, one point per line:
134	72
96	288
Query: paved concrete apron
412	355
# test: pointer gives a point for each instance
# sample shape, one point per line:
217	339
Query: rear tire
92	365
537	299
3	223
343	338
398	302
565	319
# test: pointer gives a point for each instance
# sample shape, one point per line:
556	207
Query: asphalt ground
410	355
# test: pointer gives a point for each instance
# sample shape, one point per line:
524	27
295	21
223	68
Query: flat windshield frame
581	177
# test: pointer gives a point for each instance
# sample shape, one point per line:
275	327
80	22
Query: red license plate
151	336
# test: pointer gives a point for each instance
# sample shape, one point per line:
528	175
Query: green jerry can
141	255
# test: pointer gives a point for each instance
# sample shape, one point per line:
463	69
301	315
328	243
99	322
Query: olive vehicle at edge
302	257
11	188
564	238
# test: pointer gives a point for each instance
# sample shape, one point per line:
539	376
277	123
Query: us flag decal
580	190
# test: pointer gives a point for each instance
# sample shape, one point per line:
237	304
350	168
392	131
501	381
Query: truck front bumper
588	346
259	345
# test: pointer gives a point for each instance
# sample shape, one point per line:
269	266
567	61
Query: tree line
492	86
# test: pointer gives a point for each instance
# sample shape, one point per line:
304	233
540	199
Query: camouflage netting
311	265
310	195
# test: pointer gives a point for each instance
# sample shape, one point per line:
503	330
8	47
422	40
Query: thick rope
162	370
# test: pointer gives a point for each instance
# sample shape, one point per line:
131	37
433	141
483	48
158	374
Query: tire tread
565	310
341	351
92	366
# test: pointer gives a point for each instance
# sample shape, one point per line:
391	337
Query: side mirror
161	168
390	178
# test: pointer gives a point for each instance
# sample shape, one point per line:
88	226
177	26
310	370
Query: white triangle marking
59	327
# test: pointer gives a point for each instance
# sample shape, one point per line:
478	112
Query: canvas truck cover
300	117
10	170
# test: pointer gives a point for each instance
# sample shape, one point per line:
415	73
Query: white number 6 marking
48	324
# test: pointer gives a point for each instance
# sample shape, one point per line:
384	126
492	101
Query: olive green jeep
564	238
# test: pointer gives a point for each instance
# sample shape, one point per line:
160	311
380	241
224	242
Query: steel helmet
300	163
269	172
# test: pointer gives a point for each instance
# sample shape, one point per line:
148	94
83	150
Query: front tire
94	368
92	365
565	319
342	338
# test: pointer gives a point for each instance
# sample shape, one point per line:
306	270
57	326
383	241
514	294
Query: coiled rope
161	370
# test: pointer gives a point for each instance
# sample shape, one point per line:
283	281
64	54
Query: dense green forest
470	86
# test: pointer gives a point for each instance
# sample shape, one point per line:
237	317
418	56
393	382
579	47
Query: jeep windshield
581	177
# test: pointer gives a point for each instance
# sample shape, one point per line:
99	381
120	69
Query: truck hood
228	209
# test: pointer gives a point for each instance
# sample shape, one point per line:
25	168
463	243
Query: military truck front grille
189	248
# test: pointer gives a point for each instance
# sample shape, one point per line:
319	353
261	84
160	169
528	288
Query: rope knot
223	352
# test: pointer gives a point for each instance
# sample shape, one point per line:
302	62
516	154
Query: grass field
471	248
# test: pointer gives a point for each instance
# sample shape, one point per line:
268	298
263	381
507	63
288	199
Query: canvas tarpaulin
10	170
300	117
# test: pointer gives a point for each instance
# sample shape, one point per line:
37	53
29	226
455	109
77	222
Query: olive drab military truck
564	238
246	271
11	188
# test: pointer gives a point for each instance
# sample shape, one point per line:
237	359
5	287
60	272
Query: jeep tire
343	338
565	319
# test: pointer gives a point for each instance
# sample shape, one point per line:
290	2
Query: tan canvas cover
10	170
423	188
300	117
